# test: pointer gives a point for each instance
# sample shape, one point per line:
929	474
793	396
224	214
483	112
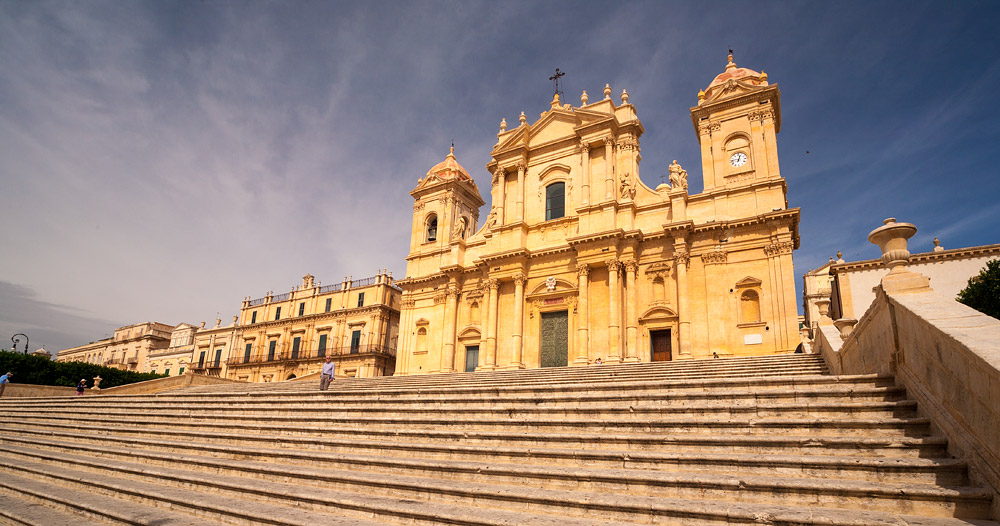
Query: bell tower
737	119
445	211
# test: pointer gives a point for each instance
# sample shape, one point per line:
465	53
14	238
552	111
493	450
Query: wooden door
660	344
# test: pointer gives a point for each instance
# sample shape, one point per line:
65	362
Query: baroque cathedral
579	262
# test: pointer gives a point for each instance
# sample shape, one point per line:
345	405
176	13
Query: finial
584	98
624	96
607	91
840	257
522	118
701	94
763	76
555	100
503	125
937	245
730	64
452	152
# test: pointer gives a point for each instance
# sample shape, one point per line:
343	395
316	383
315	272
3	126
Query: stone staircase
768	440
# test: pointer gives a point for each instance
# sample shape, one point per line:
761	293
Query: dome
449	169
734	72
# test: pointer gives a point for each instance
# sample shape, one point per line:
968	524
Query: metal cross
555	80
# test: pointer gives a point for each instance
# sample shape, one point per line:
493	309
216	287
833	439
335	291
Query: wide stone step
585	494
383	426
318	413
518	445
520	464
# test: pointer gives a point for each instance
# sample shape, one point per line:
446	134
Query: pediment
658	312
731	88
748	281
554	125
560	286
510	140
470	332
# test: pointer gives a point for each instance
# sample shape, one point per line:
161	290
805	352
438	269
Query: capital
609	141
613	264
521	167
520	279
493	284
630	265
583	270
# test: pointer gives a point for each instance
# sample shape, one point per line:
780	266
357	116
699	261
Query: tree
983	291
39	370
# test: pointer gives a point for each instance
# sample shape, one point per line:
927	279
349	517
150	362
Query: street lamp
17	340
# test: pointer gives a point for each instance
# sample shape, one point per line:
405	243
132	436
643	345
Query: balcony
306	355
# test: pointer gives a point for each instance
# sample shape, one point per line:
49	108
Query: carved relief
660	269
716	257
759	115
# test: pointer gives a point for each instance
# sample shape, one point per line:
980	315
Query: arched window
750	306
432	228
555	201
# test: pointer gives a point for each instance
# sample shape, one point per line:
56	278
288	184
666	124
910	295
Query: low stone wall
33	391
947	356
166	384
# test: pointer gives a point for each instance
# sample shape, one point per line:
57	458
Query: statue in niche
678	176
461	224
625	189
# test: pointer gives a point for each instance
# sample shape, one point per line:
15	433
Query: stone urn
823	305
891	238
845	326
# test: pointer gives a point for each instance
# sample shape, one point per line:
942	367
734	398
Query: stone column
684	316
631	323
583	315
614	317
521	167
450	310
491	326
484	321
609	168
585	169
519	281
500	175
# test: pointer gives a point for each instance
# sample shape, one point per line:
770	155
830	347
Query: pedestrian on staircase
3	382
327	373
81	386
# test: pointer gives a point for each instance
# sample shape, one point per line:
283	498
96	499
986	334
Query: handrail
305	355
258	301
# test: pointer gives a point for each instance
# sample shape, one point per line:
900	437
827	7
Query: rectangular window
302	308
253	317
166	372
246	352
322	345
218	357
361	299
355	341
329	303
277	313
181	371
201	360
270	350
555	201
295	347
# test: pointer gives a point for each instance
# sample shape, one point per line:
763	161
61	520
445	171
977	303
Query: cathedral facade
578	261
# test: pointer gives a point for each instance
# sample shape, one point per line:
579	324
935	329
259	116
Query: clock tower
737	118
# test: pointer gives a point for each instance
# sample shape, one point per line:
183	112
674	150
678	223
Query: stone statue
491	220
625	189
678	176
461	224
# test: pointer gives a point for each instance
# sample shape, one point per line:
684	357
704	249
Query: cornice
923	257
598	236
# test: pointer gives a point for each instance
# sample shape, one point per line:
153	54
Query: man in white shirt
326	374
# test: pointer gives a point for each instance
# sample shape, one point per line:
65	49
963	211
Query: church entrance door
471	358
555	339
660	344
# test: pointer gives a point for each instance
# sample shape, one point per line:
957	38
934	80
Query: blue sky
162	160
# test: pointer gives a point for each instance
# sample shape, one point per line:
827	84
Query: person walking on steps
3	382
81	386
326	374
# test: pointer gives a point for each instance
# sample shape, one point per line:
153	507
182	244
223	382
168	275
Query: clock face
738	159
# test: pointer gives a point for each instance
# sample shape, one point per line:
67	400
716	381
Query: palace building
283	336
578	260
